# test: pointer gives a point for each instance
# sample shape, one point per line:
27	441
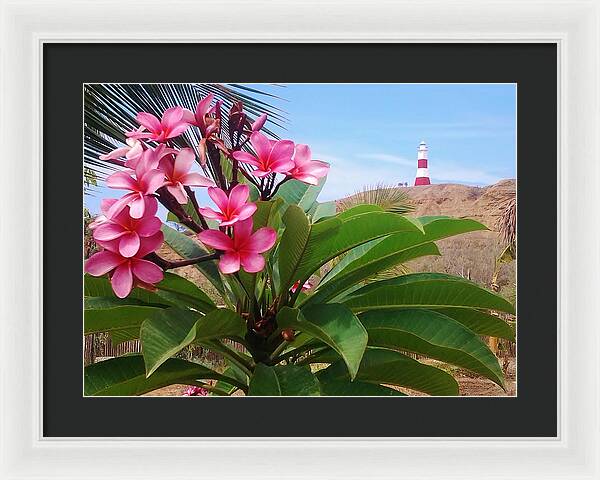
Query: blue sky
369	133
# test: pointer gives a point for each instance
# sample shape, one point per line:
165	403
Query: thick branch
171	204
168	264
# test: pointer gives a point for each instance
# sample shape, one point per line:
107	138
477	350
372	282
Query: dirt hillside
472	254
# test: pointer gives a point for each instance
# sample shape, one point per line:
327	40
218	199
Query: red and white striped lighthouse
422	177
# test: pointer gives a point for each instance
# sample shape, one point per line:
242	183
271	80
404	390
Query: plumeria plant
301	307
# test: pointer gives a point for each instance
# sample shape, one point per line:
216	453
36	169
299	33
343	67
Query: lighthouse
422	177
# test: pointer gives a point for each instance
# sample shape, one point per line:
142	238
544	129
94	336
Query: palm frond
110	110
507	222
390	198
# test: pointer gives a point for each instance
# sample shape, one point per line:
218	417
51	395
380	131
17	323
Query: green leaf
425	290
480	322
124	376
283	380
435	228
295	192
292	245
432	334
178	290
387	367
368	266
267	213
333	324
123	322
352	231
342	388
322	210
233	372
186	247
170	330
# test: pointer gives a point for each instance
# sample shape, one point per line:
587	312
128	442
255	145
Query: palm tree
110	110
390	198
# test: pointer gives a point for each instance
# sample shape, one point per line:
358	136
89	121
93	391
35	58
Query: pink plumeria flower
178	175
101	219
306	286
232	208
125	271
195	392
202	117
271	156
145	182
243	249
170	125
307	170
130	231
132	153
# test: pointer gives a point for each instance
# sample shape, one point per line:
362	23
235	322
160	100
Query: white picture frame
573	25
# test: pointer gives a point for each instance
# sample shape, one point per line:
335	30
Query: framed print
360	243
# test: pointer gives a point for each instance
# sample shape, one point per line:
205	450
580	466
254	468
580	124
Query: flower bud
288	335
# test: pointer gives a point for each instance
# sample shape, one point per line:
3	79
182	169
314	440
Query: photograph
299	239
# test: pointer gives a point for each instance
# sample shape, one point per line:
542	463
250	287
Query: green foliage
348	335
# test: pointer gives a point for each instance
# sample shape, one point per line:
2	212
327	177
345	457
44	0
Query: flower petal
261	145
150	244
282	150
203	106
129	244
109	231
178	192
137	207
219	197
122	181
171	117
178	130
252	262
103	262
120	204
196	180
115	154
263	239
122	280
148	226
306	178
282	165
238	196
152	181
245	211
149	121
229	262
106	203
302	154
183	162
147	271
242	230
246	157
210	213
216	239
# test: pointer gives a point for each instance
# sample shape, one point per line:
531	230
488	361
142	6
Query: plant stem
171	204
272	194
192	196
167	264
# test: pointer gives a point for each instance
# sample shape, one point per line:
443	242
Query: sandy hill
471	254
